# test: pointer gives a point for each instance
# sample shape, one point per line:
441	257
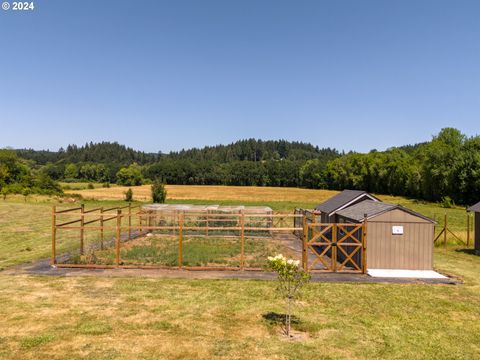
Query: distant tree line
447	166
104	152
256	150
246	162
18	177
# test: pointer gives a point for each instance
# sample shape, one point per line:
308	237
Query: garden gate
335	247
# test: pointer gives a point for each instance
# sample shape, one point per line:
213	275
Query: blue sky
164	75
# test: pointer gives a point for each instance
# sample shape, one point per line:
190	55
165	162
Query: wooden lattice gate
335	248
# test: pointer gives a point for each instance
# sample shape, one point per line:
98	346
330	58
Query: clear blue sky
165	75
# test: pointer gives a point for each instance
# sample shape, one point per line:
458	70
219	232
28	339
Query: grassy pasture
81	185
123	317
149	318
25	227
279	199
197	251
213	193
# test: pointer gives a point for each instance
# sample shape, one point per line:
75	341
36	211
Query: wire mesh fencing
133	236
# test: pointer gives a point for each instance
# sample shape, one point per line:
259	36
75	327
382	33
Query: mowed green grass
196	251
99	317
125	317
25	227
24	232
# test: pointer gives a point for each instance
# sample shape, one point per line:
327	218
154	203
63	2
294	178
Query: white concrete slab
412	274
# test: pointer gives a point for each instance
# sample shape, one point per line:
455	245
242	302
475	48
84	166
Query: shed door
335	247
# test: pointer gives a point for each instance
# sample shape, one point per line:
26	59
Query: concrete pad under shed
400	273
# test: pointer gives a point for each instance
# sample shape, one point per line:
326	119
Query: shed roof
475	208
342	200
371	208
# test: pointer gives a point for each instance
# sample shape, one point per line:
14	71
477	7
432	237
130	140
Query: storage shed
397	237
341	201
476	209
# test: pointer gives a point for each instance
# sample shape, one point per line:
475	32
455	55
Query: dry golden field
212	192
279	199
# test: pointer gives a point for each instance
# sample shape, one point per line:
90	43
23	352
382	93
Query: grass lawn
148	318
197	251
25	227
123	317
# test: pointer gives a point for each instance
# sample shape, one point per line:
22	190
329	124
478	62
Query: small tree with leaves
291	278
26	192
4	193
129	195
159	192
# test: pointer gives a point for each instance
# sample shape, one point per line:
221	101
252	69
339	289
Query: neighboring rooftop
343	199
371	208
475	208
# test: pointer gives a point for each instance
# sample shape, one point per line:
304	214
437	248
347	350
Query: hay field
279	199
212	192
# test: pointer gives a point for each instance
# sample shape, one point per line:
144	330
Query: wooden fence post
242	242
101	229
82	230
129	221
364	245
117	245
334	247
54	235
180	241
304	243
468	229
445	232
307	239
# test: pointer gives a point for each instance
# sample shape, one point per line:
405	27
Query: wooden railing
176	223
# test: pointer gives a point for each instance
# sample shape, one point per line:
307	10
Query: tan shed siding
421	250
375	251
412	250
397	215
431	236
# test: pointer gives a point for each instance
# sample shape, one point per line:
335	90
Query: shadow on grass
468	251
273	318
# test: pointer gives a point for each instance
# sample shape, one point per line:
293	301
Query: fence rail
84	233
446	231
133	223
